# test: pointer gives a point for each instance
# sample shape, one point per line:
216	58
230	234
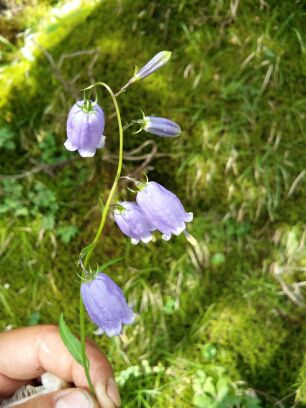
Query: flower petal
87	152
147	239
113	329
188	217
99	331
102	142
69	146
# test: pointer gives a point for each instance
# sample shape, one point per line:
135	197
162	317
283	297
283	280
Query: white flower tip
102	142
114	331
69	146
166	237
179	229
134	241
87	152
131	319
146	239
189	217
99	331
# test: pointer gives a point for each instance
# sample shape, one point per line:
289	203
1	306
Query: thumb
68	398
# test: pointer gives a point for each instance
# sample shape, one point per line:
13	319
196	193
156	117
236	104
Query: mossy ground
235	85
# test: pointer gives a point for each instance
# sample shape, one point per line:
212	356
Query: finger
73	397
31	351
8	386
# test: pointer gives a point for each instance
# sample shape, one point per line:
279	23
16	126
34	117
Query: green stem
101	227
83	346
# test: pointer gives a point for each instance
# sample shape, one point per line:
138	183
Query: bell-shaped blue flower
106	305
160	126
85	127
133	222
163	209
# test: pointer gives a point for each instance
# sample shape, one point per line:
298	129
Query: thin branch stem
101	227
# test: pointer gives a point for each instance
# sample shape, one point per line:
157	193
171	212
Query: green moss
241	149
301	393
248	337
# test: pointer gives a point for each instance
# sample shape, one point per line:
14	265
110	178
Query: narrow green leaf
102	268
72	343
86	249
101	203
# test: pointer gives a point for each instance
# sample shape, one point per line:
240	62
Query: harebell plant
155	212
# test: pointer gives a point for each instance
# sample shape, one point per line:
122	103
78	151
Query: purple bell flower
160	126
106	305
133	222
85	126
163	209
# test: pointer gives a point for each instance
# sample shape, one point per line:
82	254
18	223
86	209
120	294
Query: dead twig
288	292
68	86
56	67
41	167
129	156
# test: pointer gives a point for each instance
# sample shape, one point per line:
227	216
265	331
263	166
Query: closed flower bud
163	209
85	126
133	222
158	61
160	126
106	305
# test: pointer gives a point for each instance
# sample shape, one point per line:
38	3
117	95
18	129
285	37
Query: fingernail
108	395
113	392
76	398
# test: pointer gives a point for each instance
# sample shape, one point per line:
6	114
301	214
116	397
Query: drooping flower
133	222
163	209
160	126
106	305
85	126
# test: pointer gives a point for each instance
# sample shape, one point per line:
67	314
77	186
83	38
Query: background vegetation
219	325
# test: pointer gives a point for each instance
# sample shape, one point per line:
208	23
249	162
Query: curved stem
117	177
101	226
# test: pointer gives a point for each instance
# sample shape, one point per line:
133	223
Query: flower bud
158	61
106	305
85	126
160	126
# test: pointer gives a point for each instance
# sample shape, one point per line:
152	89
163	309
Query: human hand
27	353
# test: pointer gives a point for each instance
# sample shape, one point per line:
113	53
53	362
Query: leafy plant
214	389
7	138
66	233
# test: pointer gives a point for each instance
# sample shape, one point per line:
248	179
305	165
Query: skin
27	353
